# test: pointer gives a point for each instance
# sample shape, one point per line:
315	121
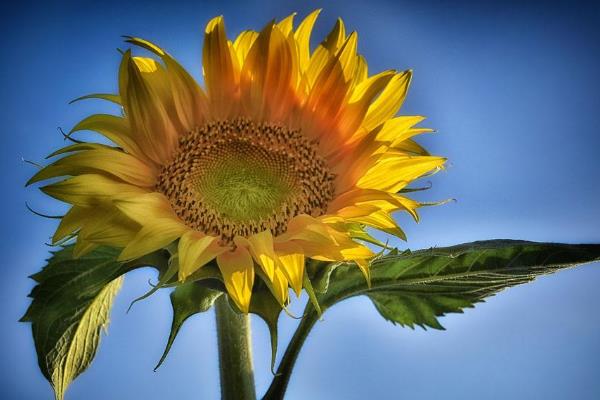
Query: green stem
235	353
279	384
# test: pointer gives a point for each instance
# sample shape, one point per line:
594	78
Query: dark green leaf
70	306
187	299
414	288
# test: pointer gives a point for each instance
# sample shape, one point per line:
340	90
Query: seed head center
237	177
244	182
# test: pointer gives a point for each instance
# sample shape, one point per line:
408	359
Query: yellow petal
302	36
320	240
380	220
347	56
196	250
371	87
349	212
156	78
143	87
108	227
361	98
356	252
397	128
342	251
115	129
399	203
408	147
287	24
305	227
279	287
380	199
90	190
362	70
324	102
267	80
237	269
156	234
395	172
189	99
335	39
70	222
100	160
261	247
243	43
351	161
324	53
144	207
389	102
291	258
219	74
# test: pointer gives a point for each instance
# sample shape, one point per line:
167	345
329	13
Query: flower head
284	155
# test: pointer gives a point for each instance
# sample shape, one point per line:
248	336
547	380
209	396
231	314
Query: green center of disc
243	182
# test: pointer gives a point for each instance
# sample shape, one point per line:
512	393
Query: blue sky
513	92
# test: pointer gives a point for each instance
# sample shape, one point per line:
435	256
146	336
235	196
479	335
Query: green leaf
70	306
264	305
187	299
414	288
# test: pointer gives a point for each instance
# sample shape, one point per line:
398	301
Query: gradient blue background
513	90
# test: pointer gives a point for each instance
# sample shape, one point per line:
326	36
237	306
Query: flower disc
236	177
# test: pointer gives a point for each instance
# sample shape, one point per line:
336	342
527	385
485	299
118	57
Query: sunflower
285	155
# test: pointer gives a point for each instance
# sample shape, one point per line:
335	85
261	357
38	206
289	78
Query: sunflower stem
235	353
